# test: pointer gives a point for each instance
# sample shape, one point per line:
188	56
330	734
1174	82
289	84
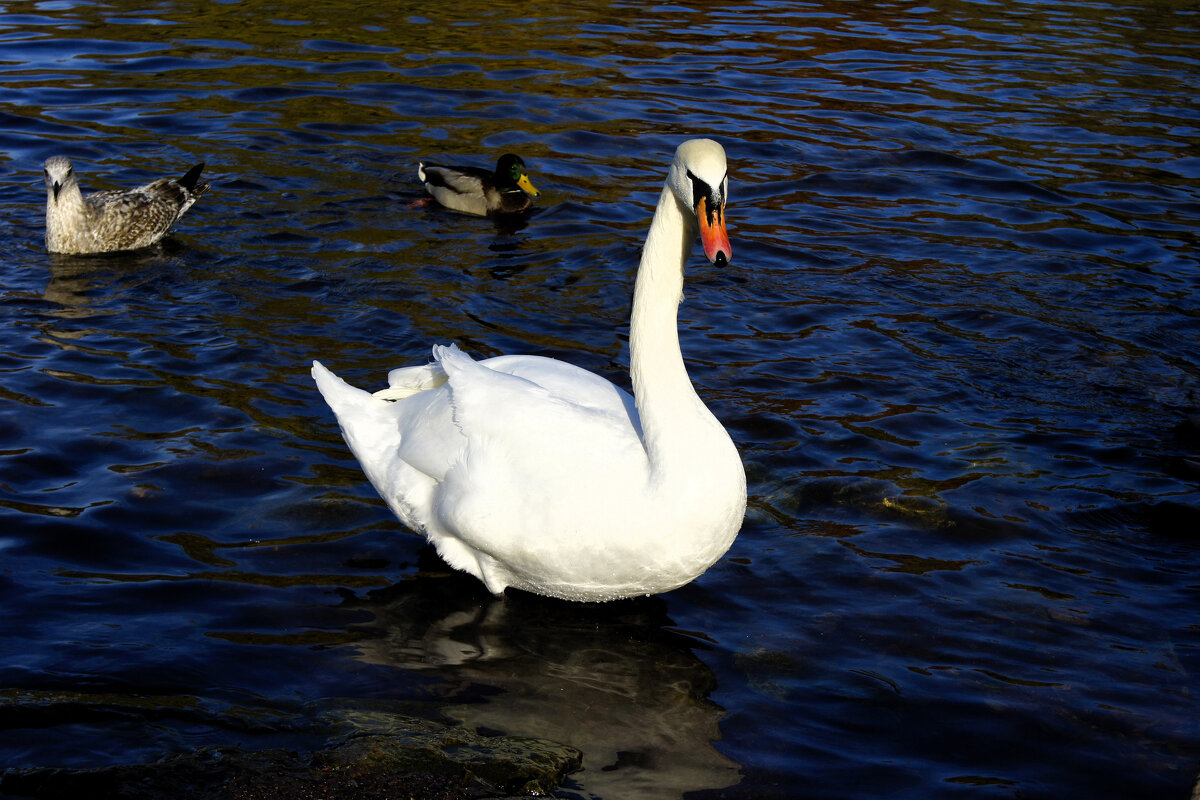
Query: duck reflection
607	679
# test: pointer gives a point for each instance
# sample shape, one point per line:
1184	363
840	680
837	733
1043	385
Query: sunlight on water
956	349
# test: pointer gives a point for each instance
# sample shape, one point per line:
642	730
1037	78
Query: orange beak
712	233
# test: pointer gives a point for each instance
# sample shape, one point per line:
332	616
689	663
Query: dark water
957	348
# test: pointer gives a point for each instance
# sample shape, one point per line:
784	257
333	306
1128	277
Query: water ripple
956	350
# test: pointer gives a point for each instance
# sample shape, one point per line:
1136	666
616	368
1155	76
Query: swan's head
58	172
699	178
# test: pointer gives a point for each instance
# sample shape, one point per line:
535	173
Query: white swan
529	472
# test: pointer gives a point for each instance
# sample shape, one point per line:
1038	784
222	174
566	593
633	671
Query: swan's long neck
672	415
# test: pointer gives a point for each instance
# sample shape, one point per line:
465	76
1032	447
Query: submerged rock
373	754
382	742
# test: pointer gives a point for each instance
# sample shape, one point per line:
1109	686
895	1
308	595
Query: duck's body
471	190
115	220
533	473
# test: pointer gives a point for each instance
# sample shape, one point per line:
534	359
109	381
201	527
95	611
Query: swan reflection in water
607	679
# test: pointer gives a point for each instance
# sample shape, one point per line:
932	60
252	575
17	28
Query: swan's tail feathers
407	381
375	431
368	423
341	396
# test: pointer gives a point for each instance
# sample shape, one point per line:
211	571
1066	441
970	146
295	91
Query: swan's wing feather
534	461
430	440
571	383
520	412
525	400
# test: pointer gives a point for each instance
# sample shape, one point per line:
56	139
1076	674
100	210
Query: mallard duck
530	472
121	219
476	191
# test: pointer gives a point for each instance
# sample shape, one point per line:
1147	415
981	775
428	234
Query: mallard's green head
510	172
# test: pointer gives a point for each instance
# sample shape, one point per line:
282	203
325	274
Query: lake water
957	349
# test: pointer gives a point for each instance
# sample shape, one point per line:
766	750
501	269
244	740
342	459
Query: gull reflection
80	285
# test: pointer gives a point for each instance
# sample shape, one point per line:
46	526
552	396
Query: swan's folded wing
533	462
570	383
506	406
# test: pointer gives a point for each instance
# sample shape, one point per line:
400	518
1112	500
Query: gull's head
699	178
59	173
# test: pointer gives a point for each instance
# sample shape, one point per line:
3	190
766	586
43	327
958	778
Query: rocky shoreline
371	754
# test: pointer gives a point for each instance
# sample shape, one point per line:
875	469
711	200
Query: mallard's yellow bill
527	186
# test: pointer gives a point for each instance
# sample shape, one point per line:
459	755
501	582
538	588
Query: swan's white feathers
520	424
404	381
528	449
572	384
699	157
478	498
372	429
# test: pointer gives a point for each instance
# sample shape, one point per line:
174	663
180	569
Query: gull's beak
526	186
712	231
56	187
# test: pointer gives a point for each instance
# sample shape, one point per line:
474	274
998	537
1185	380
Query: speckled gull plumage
123	219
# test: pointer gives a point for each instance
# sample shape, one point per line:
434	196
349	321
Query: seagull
121	219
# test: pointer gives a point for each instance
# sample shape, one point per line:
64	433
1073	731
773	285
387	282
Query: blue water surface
956	347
